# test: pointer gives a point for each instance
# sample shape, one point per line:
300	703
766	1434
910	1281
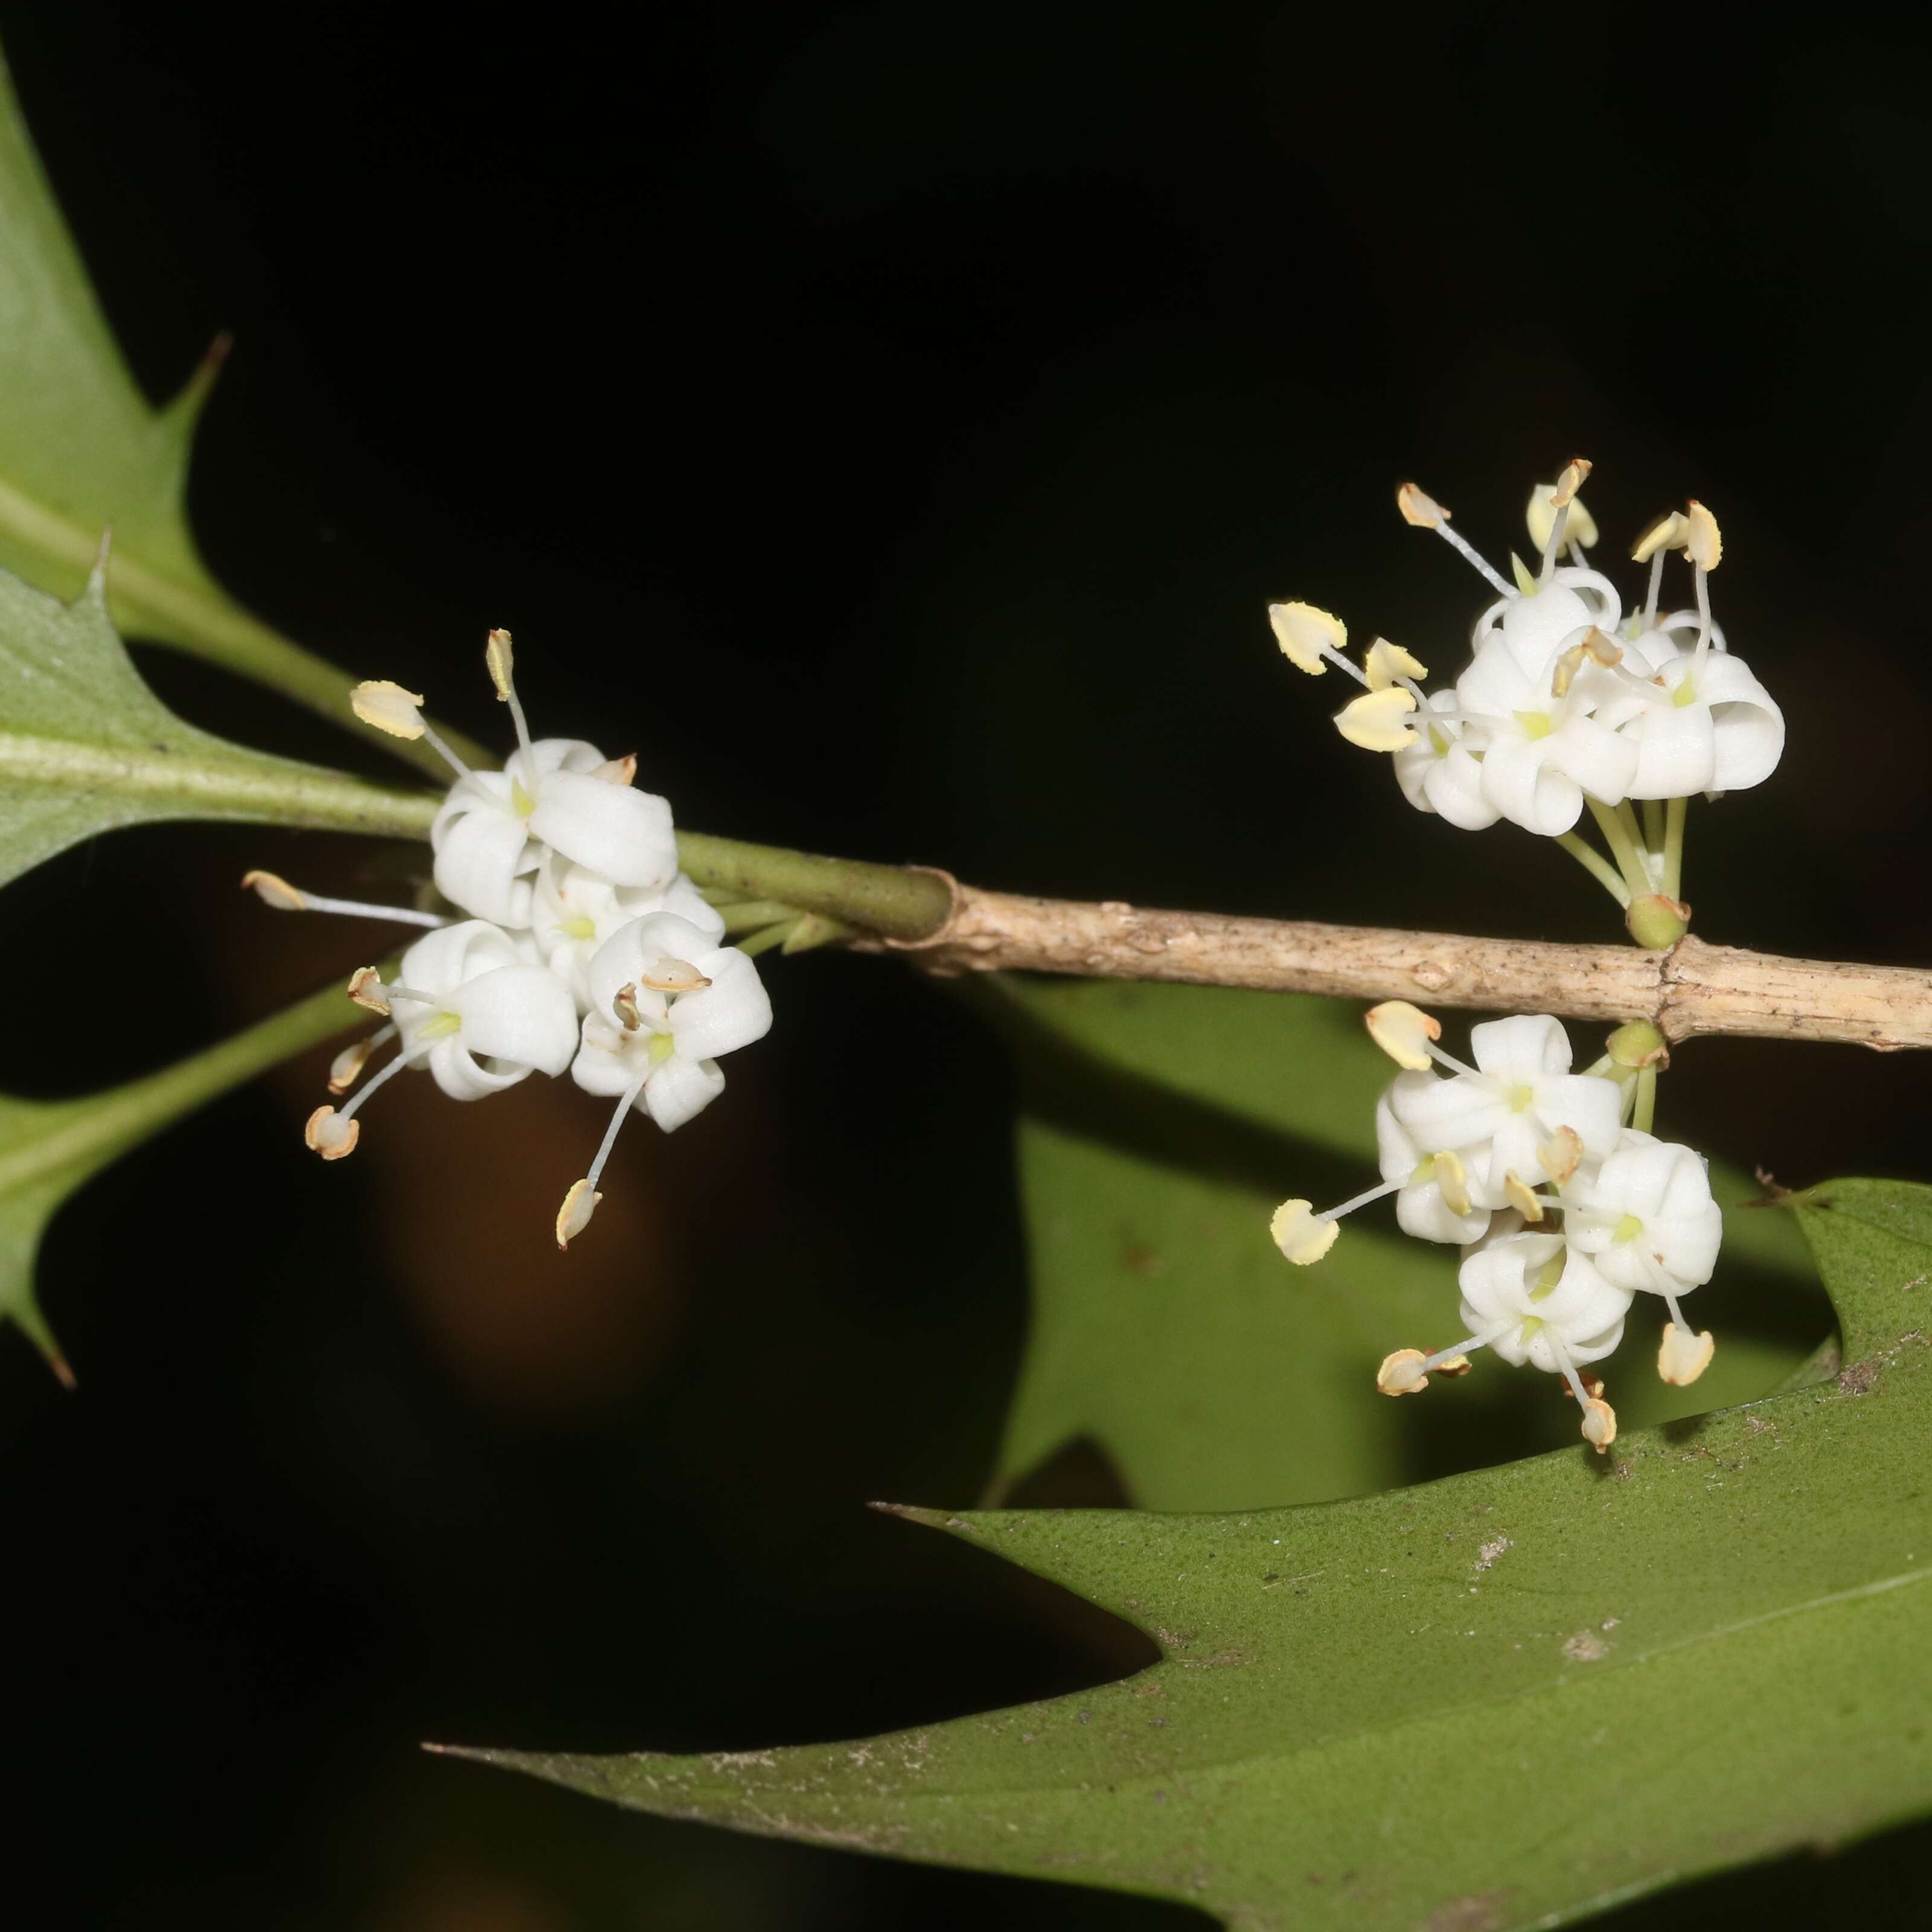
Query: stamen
501	661
618	771
1311	639
674	976
381	1080
332	1134
581	1202
1682	1357
1401	1373
1562	496
389	708
1387	664
1302	1236
276	892
1452	1183
1377	720
1422	511
346	1069
1561	1155
1517	1193
1362	1199
367	989
1456	1066
1404	1033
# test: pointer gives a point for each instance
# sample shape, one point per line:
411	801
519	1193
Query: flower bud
1658	922
1638	1043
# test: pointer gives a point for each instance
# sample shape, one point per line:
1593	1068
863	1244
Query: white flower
1546	747
1504	1116
1647	1218
1533	1298
1699	720
665	1004
558	793
1530	1299
489	836
1534	627
1441	770
1432	1202
469	1009
574	911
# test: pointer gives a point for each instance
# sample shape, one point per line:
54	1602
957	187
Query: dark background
891	425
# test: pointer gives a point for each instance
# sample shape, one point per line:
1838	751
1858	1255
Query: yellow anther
1419	508
1702	539
327	1133
1517	1193
274	890
1303	632
1456	1365
1571	478
346	1069
365	988
624	1004
1580	527
1400	1373
1452	1181
389	708
1302	1235
573	1216
1403	1032
1563	673
502	662
1526	577
674	976
1684	1357
1665	532
1600	1423
1562	1155
1376	720
1385	663
618	771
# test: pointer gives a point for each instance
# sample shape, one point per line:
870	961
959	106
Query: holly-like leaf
1160	1126
1504	1700
81	451
49	1148
86	746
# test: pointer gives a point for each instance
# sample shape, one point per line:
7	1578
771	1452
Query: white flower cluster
587	950
1564	702
1563	1212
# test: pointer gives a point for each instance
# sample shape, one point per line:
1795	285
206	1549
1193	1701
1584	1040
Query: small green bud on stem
1638	1044
1656	922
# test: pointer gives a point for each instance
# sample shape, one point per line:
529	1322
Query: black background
890	424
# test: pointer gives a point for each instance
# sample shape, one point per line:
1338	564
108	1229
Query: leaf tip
932	1518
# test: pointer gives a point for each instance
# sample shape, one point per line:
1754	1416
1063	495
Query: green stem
902	901
772	935
1640	845
72	1139
1653	825
750	914
1599	868
1644	1116
1674	813
1617	836
200	619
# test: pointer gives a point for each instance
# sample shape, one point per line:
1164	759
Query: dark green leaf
1504	1700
